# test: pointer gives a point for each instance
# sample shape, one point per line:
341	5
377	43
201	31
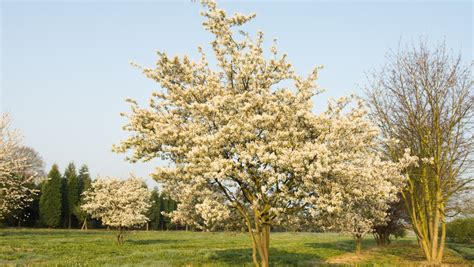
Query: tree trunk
382	239
260	234
120	236
358	244
378	239
265	244
84	224
118	239
426	223
443	240
260	244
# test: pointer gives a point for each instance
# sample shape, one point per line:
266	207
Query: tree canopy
239	140
118	203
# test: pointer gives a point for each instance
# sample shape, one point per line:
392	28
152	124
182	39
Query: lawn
97	247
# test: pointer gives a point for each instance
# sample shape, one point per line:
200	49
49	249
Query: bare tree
34	164
461	204
423	99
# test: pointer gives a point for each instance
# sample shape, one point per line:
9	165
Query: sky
65	71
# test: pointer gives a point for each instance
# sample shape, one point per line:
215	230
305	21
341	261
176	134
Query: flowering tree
118	203
238	136
360	185
16	178
210	214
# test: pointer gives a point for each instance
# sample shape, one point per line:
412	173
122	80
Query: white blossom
118	203
16	178
239	139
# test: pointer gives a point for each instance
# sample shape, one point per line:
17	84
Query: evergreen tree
172	206
154	213
72	192
163	208
50	201
84	179
167	205
84	183
64	204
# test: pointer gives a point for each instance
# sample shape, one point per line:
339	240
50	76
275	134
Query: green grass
97	247
466	250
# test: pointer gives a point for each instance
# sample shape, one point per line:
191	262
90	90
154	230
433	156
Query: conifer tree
72	191
64	204
154	213
84	183
84	179
164	208
50	202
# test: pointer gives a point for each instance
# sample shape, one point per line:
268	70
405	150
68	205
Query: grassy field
97	247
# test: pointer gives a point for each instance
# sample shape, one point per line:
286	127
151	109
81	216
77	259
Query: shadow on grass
465	250
150	241
47	232
349	245
341	245
277	257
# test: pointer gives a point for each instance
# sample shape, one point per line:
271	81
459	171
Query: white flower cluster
16	190
239	140
354	194
118	203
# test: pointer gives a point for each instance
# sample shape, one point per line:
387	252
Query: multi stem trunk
427	216
260	244
84	224
358	243
382	239
260	235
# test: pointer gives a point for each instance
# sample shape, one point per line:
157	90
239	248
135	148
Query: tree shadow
149	241
342	246
46	232
403	249
277	257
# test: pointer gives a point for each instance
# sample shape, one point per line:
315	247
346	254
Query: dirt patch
348	258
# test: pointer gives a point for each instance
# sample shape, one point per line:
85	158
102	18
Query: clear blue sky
65	72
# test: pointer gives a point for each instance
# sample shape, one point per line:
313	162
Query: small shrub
400	232
211	255
461	230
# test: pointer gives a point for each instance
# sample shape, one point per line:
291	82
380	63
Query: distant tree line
59	197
